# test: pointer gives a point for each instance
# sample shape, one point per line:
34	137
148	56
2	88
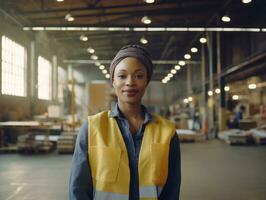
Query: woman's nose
130	80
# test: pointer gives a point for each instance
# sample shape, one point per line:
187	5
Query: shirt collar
115	112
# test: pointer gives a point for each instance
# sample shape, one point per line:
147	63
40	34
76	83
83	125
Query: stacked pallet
259	135
186	135
235	136
66	143
29	143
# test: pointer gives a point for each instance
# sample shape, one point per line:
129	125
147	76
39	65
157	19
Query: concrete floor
210	171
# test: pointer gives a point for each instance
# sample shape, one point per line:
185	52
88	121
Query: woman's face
130	80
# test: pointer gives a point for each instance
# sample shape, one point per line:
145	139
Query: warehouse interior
209	59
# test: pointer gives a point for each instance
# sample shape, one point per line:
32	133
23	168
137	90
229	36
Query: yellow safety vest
109	163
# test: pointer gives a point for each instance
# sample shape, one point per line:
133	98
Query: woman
127	153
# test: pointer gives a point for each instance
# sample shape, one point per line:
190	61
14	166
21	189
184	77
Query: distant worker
127	153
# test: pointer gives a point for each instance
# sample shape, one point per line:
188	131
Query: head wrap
134	51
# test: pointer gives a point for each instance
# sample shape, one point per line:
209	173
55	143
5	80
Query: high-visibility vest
108	158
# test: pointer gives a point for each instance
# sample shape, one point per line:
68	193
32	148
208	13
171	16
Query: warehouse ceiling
163	45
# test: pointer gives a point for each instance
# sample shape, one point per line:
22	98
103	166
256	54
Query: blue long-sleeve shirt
80	185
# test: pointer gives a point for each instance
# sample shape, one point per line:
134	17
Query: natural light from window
44	79
14	68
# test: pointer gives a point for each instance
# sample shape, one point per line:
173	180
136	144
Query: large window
13	68
44	79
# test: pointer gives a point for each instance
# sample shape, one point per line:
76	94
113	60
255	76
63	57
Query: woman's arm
171	189
80	183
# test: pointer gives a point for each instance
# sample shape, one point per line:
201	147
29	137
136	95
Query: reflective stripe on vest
108	158
100	195
150	191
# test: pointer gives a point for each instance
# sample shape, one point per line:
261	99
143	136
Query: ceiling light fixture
226	18
190	99
226	88
97	63
182	62
83	38
69	17
194	50
252	86
173	71
149	1
59	0
101	67
170	75
185	100
164	81
104	71
203	40
246	1
235	97
217	91
210	93
94	57
177	67
90	50
143	40
145	20
107	76
187	56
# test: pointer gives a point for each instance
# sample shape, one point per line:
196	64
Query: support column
33	77
189	85
204	95
222	106
54	79
212	63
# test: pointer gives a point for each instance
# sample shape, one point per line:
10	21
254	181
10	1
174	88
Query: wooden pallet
9	149
259	140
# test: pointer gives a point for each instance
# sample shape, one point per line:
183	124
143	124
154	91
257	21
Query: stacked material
28	143
259	135
235	136
186	135
66	143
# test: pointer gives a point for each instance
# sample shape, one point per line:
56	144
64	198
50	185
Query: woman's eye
122	76
139	76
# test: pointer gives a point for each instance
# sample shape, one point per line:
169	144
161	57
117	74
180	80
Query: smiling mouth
130	93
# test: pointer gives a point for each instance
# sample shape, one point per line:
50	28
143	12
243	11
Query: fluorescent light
104	71
181	62
101	67
90	50
143	40
187	56
177	67
217	91
246	1
196	29
155	29
235	97
226	18
252	86
59	0
94	57
173	71
226	88
210	93
139	29
149	1
203	40
107	76
145	20
194	50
